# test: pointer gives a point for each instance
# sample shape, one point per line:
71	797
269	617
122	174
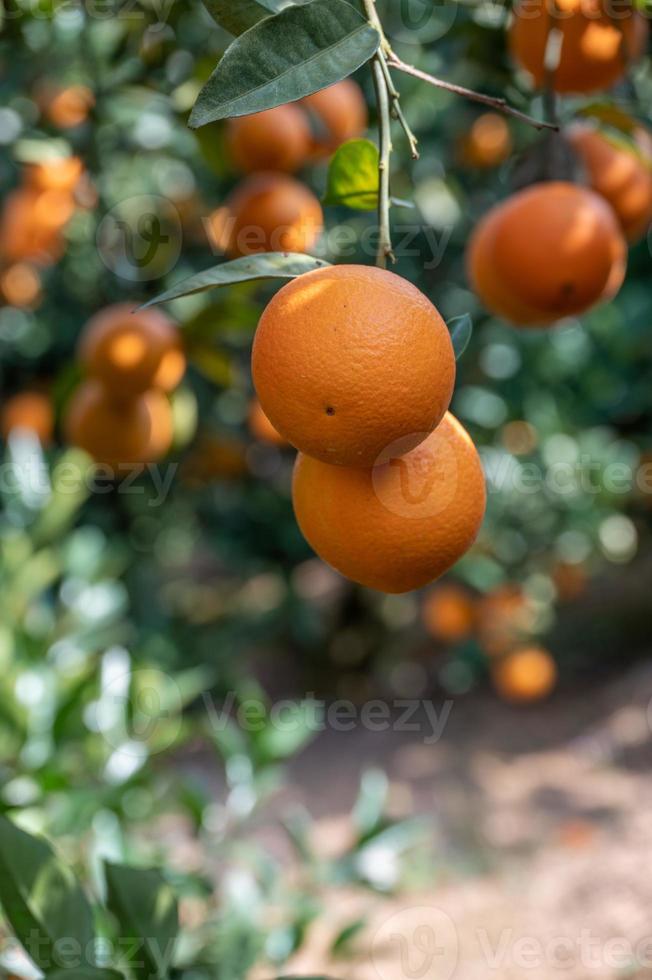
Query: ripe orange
488	143
20	285
70	106
214	458
284	139
528	674
29	410
341	114
404	522
119	434
131	352
277	139
261	428
505	618
31	224
620	172
552	250
268	213
57	174
349	359
449	614
596	47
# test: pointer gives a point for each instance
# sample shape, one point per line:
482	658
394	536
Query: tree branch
499	104
384	203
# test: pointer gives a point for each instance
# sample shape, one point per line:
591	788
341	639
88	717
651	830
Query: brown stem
501	105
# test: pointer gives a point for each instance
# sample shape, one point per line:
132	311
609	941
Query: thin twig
501	105
384	52
397	111
384	202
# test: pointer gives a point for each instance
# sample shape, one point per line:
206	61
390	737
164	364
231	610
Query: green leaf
286	57
236	16
353	177
266	265
43	901
341	945
146	909
461	328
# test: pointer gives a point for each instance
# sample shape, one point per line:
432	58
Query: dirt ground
542	830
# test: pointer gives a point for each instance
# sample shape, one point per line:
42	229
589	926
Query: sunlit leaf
353	177
286	57
42	899
266	265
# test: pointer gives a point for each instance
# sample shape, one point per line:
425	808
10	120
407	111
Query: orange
131	352
349	359
596	48
570	580
261	428
340	113
552	250
57	174
277	139
505	617
31	224
20	285
449	614
399	525
119	434
488	142
284	138
267	213
620	171
214	458
528	674
31	411
70	106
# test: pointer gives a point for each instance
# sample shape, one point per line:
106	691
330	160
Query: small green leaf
266	265
353	177
286	57
146	909
461	328
236	16
341	945
43	901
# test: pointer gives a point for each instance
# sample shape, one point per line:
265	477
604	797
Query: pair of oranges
355	368
502	621
557	248
120	414
271	211
32	221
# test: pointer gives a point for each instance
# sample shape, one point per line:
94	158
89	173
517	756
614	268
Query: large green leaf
265	265
236	16
353	177
43	901
146	910
286	57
